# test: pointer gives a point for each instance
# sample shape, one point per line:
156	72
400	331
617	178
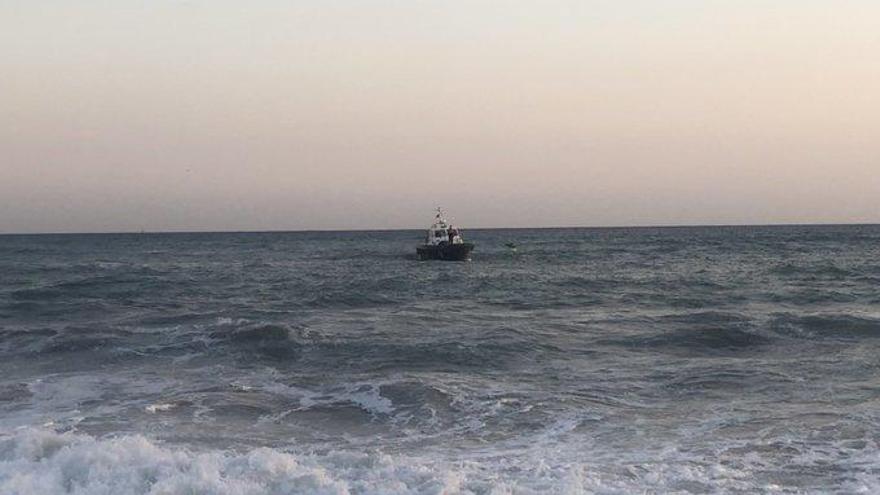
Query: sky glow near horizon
269	115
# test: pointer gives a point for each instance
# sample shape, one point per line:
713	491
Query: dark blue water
736	360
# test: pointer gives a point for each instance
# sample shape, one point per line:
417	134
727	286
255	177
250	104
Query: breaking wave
40	461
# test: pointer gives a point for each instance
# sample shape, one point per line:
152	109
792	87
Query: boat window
438	233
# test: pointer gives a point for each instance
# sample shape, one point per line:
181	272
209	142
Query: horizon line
555	227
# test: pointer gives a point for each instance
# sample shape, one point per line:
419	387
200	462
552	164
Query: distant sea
644	360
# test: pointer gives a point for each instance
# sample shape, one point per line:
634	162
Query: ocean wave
38	461
281	341
372	350
722	333
823	270
267	340
704	341
89	286
811	296
696	333
21	338
827	326
583	282
363	298
707	318
253	334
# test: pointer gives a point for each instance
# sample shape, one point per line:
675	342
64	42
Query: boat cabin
441	232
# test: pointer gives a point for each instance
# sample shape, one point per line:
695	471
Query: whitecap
160	407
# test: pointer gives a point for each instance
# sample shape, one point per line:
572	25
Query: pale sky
125	115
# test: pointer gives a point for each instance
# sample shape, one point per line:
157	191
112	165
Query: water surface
663	360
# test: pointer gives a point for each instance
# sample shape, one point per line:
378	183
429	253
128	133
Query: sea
610	361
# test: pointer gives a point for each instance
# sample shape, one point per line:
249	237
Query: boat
444	242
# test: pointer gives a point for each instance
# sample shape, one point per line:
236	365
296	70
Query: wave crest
42	462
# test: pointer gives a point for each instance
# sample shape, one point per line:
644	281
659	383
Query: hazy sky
124	115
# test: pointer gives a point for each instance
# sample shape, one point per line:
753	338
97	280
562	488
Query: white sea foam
366	396
34	461
40	461
154	408
369	399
